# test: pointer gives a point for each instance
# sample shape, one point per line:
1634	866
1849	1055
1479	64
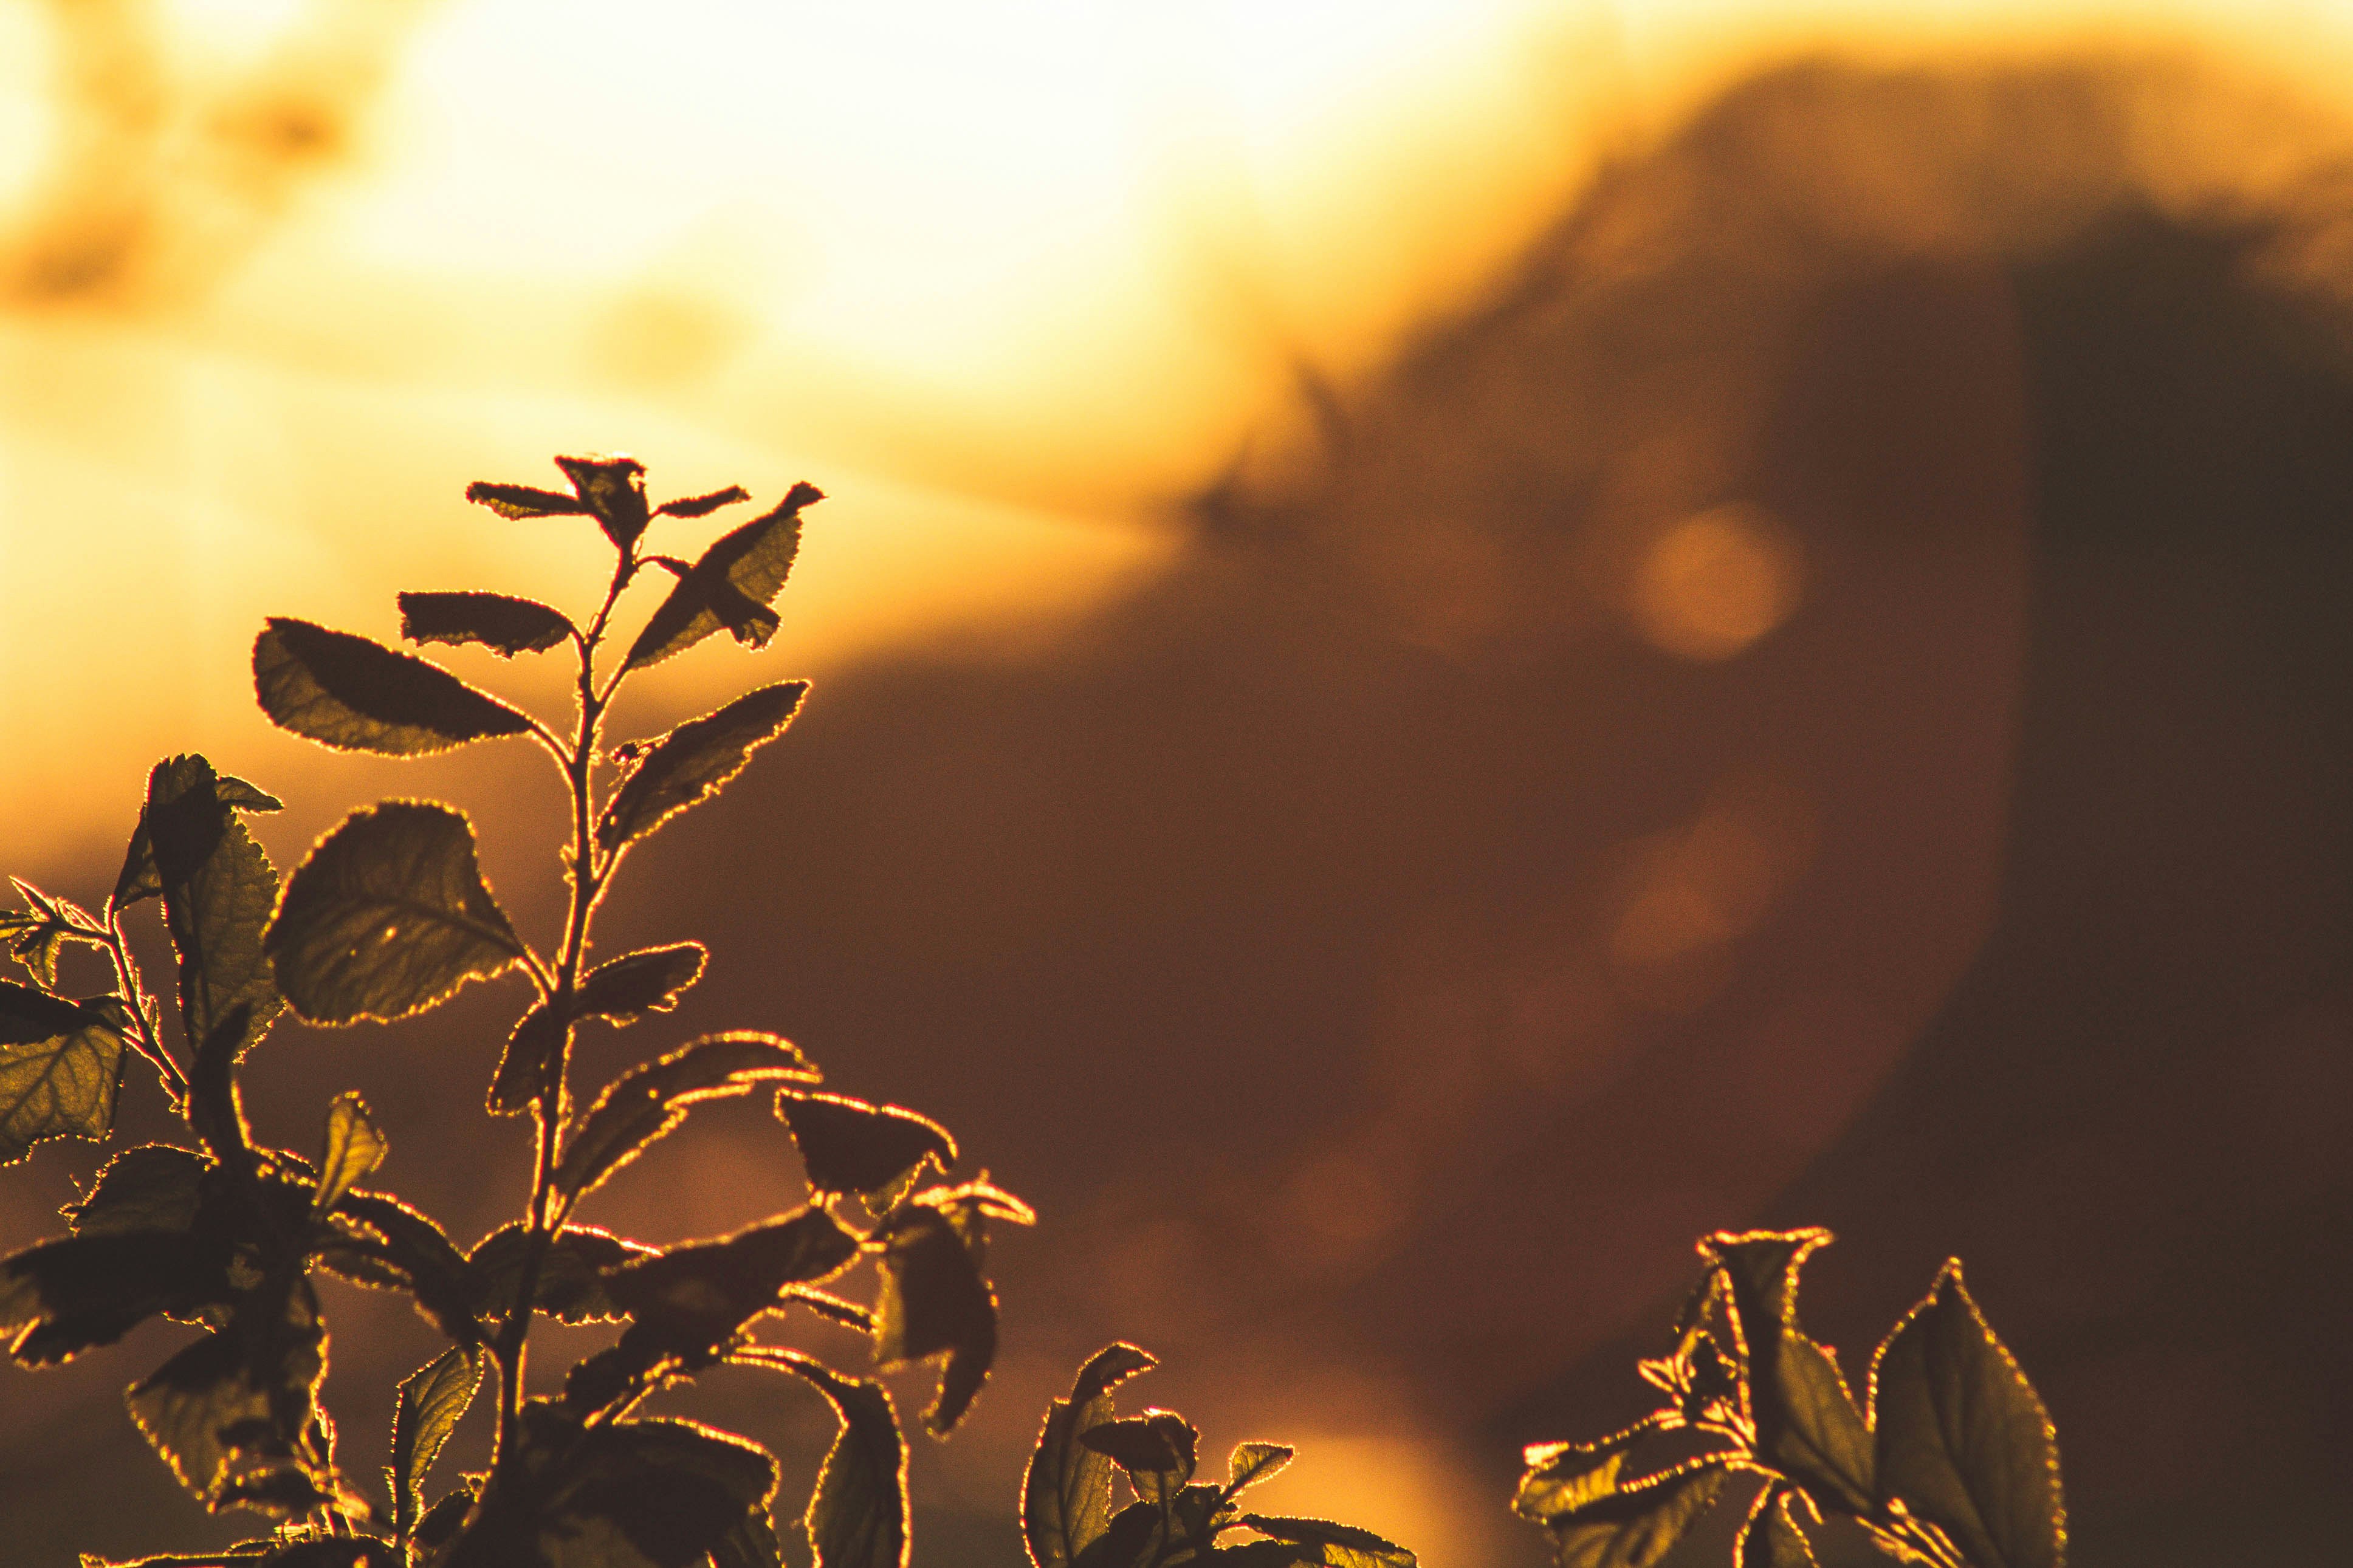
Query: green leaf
649	980
152	1187
218	887
232	1413
528	1065
1636	1529
1769	1536
702	505
1066	1488
1761	1267
1813	1432
1563	1479
504	624
432	1400
523	501
648	1102
440	1523
37	936
139	879
1337	1545
857	1517
934	1299
695	761
1157	1442
571	1287
692	1299
1963	1440
358	695
732	585
387	917
614	489
1254	1462
411	1244
849	1146
64	1297
60	1070
353	1150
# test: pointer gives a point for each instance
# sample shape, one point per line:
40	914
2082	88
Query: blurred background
1454	642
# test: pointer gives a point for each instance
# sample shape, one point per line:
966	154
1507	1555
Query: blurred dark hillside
1823	700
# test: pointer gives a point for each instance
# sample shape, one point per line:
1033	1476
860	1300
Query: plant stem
149	1043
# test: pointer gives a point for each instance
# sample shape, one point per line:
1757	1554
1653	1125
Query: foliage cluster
389	915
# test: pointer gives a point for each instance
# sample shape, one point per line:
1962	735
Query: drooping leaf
649	980
1066	1489
1636	1529
60	1070
933	1299
692	1299
1563	1479
857	1517
358	695
152	1187
387	917
702	505
571	1287
409	1241
528	1065
504	624
1962	1437
232	1413
62	1298
1156	1442
218	889
695	761
644	1104
1338	1545
139	880
523	501
1254	1462
432	1401
849	1146
732	585
751	1544
353	1150
614	489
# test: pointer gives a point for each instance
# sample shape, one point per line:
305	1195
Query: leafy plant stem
147	1042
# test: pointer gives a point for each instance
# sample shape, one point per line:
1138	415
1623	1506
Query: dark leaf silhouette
731	586
753	1543
702	505
1962	1437
388	916
849	1146
1131	1540
523	501
504	624
152	1187
641	1106
650	981
440	1523
348	692
353	1150
527	1067
857	1517
432	1400
60	1070
64	1297
37	935
694	762
1337	1545
232	1413
432	1269
1566	1478
692	1299
218	890
1066	1489
1157	1441
1634	1530
934	1299
139	879
614	489
570	1286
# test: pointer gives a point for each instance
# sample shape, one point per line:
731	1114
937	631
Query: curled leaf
731	586
614	489
642	1105
523	501
505	625
849	1146
695	761
649	980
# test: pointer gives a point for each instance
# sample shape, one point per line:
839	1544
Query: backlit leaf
357	695
694	762
523	501
704	504
1814	1433
646	1104
139	880
857	1517
1066	1489
1254	1462
1769	1537
934	1299
1157	1441
571	1285
849	1146
731	586
152	1187
645	1494
504	624
1337	1545
751	1544
692	1299
1638	1529
231	1413
60	1069
1962	1437
527	1067
431	1402
650	981
218	890
64	1297
353	1150
614	489
1563	1479
435	1271
387	917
